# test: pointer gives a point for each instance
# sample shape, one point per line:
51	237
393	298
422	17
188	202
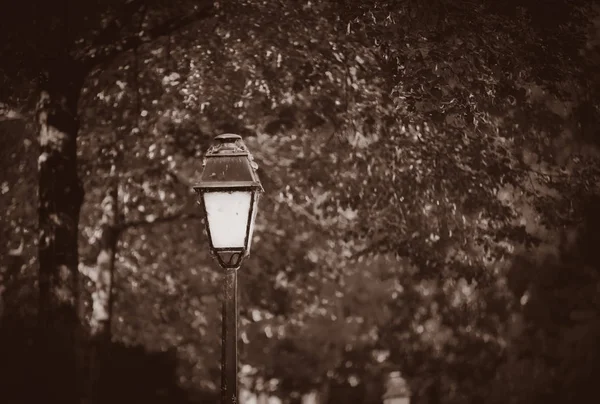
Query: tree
68	41
403	176
469	174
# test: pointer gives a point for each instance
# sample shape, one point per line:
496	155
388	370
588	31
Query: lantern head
229	189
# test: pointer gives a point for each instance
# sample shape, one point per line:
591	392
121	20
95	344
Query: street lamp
229	189
396	390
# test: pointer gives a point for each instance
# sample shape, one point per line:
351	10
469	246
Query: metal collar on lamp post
229	188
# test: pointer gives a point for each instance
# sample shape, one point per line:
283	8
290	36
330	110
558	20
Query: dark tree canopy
431	172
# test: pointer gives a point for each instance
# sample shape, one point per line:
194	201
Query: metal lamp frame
227	146
238	253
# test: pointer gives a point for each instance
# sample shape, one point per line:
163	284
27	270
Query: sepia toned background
431	207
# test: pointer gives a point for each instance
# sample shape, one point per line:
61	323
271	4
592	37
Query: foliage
414	154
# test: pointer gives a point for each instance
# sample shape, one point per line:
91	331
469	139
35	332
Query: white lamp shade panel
254	210
228	214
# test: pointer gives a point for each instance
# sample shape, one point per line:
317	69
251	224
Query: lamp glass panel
254	210
227	214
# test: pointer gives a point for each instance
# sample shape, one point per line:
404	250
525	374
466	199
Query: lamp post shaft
229	362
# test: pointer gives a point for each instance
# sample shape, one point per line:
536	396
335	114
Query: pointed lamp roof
228	164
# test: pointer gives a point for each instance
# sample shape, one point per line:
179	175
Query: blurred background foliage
432	194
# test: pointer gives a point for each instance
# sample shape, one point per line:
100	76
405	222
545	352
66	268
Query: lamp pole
229	187
229	362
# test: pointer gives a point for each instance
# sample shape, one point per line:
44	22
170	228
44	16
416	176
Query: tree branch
111	34
177	176
373	248
109	45
7	113
158	220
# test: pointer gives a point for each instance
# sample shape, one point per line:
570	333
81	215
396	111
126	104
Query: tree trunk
60	199
105	264
324	391
103	295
